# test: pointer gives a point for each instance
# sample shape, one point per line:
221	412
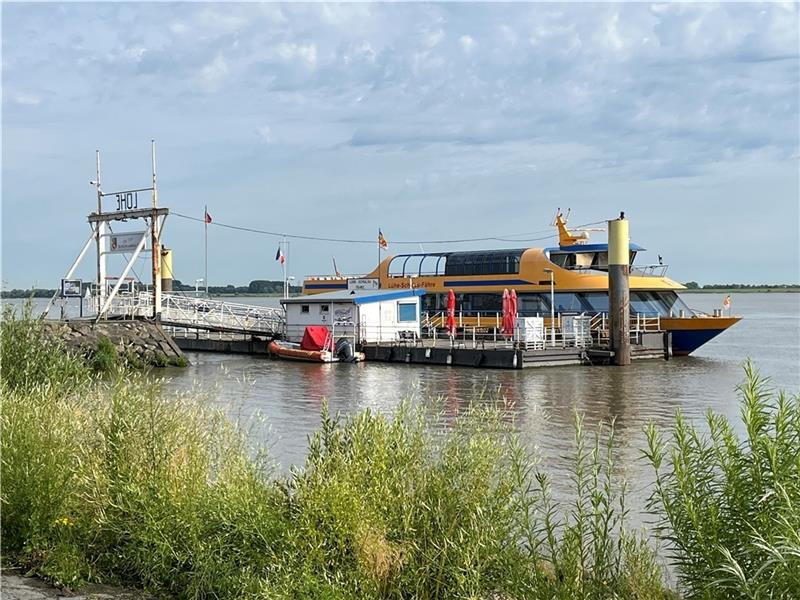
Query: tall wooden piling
619	289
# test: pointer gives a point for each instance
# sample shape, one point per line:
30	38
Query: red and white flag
279	256
207	217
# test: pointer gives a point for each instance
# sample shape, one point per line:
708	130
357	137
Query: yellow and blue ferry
577	270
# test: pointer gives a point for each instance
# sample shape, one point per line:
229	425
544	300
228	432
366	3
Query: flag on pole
382	241
207	217
279	256
726	304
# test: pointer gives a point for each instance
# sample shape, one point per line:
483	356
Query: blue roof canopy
355	296
589	248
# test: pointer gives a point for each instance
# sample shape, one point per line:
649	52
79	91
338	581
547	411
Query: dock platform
425	351
656	345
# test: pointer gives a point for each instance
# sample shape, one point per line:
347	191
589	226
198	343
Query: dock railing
575	330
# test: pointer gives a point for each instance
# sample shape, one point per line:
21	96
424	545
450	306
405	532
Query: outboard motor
344	350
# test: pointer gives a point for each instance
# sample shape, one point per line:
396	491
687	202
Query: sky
429	121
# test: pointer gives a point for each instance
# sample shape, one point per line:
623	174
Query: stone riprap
141	342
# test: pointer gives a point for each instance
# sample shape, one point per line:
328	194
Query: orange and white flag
382	241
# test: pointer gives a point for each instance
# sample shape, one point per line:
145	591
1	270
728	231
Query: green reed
730	507
109	478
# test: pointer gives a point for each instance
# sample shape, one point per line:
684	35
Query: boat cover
316	337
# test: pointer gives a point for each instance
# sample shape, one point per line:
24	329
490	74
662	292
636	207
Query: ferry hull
689	334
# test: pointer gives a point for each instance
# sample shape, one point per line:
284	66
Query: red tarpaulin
316	337
451	312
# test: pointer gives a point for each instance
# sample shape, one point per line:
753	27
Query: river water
284	398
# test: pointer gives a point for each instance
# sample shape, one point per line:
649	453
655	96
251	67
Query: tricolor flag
727	302
382	240
279	256
207	217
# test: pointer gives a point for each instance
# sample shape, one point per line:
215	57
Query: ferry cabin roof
575	268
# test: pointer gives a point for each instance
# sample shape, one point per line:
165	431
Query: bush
730	508
105	357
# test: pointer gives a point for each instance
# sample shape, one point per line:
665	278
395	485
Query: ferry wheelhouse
576	269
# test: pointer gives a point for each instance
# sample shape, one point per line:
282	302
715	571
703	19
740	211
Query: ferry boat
579	272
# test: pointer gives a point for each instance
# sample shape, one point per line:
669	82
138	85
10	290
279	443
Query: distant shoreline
17	294
754	290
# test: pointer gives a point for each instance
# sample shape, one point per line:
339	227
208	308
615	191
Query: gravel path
17	587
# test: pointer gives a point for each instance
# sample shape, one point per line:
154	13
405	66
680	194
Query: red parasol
512	310
451	312
506	311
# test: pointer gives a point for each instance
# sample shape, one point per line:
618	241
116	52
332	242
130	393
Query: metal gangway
185	312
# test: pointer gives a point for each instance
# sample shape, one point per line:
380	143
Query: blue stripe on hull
686	341
326	286
484	282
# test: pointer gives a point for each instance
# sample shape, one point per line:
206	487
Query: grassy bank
108	478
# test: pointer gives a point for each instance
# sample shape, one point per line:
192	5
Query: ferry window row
533	304
597	261
491	262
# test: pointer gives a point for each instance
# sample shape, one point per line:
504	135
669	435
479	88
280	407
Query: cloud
264	133
212	74
468	44
26	99
453	102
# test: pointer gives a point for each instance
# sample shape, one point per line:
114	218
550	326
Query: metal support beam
71	271
124	274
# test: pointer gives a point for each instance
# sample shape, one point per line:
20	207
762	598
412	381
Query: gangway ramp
204	314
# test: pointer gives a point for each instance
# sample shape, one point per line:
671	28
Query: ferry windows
491	262
530	305
673	304
598	301
304	308
567	302
396	266
406	312
413	265
645	303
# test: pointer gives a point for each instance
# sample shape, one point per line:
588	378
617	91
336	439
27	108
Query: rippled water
541	401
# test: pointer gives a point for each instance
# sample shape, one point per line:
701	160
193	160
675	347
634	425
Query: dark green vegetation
107	478
255	287
731	507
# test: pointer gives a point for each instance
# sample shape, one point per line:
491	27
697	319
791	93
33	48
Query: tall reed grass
730	507
109	478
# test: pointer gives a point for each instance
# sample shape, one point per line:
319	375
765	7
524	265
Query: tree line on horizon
693	285
257	286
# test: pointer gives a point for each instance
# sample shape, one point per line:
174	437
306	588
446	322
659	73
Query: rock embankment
139	342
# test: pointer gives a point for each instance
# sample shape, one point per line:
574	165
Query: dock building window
406	312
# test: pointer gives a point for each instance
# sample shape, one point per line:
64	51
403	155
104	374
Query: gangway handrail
205	313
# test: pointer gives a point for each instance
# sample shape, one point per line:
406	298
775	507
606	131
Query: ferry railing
649	270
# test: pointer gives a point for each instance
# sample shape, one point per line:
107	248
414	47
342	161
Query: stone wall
141	342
